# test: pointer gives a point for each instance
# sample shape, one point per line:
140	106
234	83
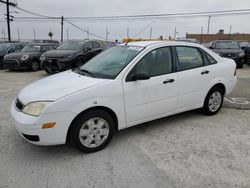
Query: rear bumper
231	85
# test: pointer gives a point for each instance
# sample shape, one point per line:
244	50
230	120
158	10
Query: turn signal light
48	125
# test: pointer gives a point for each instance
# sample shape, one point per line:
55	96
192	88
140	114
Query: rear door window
189	57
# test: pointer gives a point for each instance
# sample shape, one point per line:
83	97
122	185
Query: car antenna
129	40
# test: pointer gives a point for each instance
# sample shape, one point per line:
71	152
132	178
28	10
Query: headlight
241	54
24	57
42	58
35	108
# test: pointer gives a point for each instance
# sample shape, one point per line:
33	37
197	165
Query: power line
98	36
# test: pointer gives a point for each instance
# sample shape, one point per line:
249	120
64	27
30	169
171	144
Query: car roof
44	44
152	43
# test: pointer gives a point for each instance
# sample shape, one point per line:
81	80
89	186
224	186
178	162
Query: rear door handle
168	81
205	72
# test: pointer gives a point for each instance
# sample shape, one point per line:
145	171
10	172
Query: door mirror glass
141	76
87	49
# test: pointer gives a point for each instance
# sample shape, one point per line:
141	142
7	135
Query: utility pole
175	32
201	34
128	33
208	25
34	33
8	15
67	34
150	35
62	28
107	32
18	34
230	30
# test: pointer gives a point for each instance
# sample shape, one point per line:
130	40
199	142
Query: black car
70	54
45	41
7	48
247	52
28	58
229	49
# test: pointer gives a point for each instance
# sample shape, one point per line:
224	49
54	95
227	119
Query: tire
48	70
34	65
240	66
93	137
213	101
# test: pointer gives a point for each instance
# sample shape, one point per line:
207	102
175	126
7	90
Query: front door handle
168	81
205	72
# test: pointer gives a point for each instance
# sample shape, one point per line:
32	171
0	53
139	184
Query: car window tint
47	48
96	45
189	57
210	59
156	62
87	45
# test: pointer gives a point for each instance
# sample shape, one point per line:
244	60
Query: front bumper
15	64
30	127
57	65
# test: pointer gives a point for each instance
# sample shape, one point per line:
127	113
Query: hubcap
214	102
94	132
35	66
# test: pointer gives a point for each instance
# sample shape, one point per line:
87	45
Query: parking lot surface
185	150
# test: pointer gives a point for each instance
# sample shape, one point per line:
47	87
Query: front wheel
34	65
213	101
92	131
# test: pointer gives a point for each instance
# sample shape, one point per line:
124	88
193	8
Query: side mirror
141	76
210	47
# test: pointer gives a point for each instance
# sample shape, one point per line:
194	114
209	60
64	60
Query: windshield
110	63
32	48
227	45
4	47
72	45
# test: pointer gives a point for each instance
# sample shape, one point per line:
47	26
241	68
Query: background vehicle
7	48
45	41
28	58
247	52
121	87
70	54
229	49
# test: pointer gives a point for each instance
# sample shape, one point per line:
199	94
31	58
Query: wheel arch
106	109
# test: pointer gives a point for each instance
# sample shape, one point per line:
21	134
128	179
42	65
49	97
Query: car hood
57	86
60	53
228	50
18	55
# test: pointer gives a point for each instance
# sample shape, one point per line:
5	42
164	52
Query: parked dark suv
7	48
28	58
70	54
229	49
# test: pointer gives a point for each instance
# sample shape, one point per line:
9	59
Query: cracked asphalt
184	150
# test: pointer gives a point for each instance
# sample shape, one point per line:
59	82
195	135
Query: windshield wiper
86	72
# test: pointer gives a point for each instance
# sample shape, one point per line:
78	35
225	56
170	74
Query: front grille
229	55
19	104
10	63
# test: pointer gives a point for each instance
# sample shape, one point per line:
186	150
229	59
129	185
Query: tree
50	34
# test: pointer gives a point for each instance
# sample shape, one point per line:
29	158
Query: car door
153	98
194	76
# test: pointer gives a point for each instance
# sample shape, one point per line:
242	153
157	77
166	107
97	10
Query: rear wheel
213	101
92	131
34	65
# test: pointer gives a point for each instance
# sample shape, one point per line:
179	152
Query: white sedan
124	86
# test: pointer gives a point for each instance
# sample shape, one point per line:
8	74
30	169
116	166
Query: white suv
124	86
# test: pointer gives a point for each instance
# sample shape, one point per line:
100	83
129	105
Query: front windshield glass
227	45
4	47
110	63
32	48
71	45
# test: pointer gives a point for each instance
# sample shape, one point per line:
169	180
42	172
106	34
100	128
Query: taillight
235	72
